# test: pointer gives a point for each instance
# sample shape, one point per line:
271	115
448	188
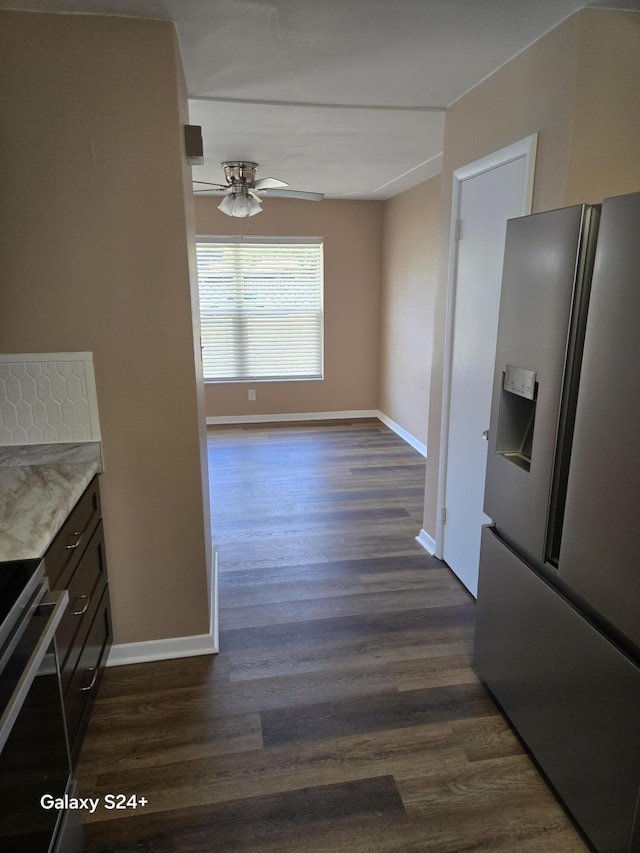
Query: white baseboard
427	542
296	416
173	647
410	439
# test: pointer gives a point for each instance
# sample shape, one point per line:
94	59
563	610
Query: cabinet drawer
83	685
66	549
86	587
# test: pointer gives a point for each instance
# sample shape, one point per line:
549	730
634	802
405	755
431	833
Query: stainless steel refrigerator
558	615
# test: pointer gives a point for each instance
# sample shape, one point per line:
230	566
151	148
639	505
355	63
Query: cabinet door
86	588
83	686
65	551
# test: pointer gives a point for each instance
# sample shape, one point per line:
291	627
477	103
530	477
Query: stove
34	750
20	583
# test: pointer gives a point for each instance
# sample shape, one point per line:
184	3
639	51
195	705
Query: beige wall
532	93
94	256
411	242
605	142
352	238
560	87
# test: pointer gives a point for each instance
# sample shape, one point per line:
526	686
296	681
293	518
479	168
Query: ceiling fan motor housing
240	172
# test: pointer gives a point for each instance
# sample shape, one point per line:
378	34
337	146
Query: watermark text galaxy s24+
119	802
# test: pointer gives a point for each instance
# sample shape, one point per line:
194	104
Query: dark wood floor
342	713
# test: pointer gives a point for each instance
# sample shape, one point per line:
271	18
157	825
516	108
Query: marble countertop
35	500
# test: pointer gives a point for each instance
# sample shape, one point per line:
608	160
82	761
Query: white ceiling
344	97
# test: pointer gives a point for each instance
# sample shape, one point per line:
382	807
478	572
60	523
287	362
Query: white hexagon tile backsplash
47	398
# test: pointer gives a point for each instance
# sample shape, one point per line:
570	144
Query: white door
486	198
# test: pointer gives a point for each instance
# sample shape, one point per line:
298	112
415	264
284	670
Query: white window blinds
260	308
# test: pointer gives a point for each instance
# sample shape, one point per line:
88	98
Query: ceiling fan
243	192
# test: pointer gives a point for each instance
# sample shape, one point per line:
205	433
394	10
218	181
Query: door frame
526	148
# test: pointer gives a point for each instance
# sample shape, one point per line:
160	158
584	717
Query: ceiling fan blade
254	196
209	184
269	183
292	194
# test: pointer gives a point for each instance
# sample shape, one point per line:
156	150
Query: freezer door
571	695
600	550
542	279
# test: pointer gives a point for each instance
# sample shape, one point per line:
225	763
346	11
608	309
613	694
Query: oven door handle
56	602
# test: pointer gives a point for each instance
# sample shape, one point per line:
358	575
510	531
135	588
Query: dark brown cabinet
76	561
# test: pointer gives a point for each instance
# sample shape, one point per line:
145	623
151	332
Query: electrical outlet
252	395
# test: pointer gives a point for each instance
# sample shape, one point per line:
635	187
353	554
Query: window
260	308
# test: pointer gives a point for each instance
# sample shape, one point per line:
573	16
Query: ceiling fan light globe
254	206
240	205
227	205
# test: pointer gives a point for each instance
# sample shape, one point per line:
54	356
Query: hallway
342	713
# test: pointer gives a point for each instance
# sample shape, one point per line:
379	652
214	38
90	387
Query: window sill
263	381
